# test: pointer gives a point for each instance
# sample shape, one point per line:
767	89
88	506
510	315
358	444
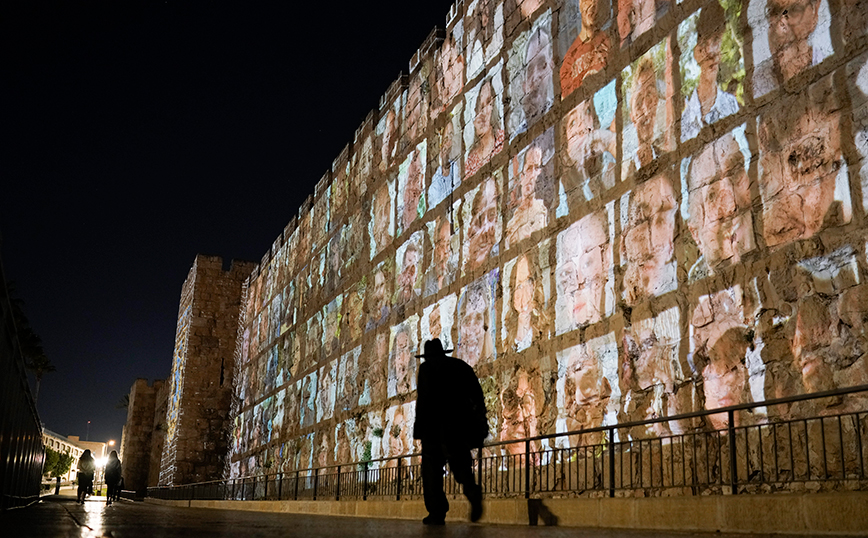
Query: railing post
280	487
365	485
527	464
399	478
296	485
611	462
479	466
733	466
338	485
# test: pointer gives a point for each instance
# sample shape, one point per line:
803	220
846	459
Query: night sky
138	134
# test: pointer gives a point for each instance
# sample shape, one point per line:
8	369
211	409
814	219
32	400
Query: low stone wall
844	513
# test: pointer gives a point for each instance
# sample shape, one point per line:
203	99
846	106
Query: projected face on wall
635	17
719	202
589	154
408	284
720	342
389	131
519	401
354	238
449	70
444	255
803	183
402	360
349	382
483	229
530	185
591	46
382	223
857	77
411	187
332	281
398	434
438	321
650	369
789	36
484	34
647	119
477	320
531	69
584	273
447	176
712	64
378	295
353	320
483	121
525	319
331	339
326	391
307	409
417	105
647	240
587	382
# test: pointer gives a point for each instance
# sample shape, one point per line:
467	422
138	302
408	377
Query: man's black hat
434	348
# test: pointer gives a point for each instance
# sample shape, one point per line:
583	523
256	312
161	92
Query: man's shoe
434	520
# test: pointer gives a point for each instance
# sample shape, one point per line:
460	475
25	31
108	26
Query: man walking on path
450	421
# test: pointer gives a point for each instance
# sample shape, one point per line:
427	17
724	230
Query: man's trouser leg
461	465
433	460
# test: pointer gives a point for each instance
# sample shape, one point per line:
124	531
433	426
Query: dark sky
138	134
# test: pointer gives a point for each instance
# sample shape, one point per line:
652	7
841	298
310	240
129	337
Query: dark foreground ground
61	516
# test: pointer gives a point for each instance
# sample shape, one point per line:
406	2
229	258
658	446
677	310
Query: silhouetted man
450	420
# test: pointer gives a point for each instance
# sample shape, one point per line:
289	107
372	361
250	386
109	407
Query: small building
64	445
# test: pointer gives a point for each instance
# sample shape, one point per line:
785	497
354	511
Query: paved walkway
61	516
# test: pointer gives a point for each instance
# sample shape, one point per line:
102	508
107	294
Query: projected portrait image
635	17
331	338
531	189
411	187
526	298
857	82
332	279
438	321
648	111
649	372
444	246
803	181
647	240
307	392
389	131
712	67
353	320
719	202
289	307
382	224
484	19
354	237
402	360
417	103
588	157
482	225
477	320
585	39
531	75
789	36
719	343
361	164
398	432
483	121
313	348
374	361
292	354
520	403
587	388
408	284
325	404
349	381
447	160
378	293
449	70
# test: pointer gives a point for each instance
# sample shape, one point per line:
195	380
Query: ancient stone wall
158	435
612	210
200	386
135	450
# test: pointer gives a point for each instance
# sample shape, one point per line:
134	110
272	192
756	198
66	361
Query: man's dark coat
450	407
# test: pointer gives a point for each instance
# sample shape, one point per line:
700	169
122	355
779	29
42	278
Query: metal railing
757	447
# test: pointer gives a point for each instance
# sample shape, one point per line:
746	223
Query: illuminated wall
613	210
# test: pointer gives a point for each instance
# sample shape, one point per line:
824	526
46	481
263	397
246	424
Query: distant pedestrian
450	421
112	476
86	470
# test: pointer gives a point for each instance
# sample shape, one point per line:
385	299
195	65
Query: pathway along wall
612	211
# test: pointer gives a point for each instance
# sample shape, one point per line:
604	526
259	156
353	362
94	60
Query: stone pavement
61	516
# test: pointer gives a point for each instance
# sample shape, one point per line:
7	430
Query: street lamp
100	469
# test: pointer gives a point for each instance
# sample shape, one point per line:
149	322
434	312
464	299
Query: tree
124	402
35	359
56	463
